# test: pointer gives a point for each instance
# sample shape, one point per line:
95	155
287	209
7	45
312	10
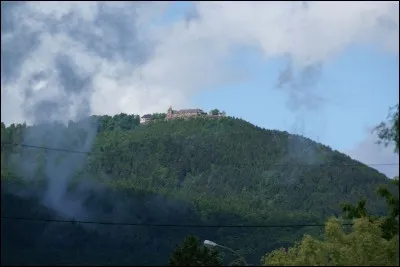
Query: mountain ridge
213	171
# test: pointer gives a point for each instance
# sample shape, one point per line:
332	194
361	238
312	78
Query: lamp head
209	244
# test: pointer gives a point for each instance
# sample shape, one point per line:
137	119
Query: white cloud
127	64
377	155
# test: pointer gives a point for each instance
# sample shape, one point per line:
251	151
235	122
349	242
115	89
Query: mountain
197	171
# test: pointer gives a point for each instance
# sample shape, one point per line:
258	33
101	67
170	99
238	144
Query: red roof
190	111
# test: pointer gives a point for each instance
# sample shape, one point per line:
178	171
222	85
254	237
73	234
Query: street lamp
211	244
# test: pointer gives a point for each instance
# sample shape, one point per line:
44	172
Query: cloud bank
369	152
63	60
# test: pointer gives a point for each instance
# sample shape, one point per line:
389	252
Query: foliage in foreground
364	245
388	132
192	253
389	224
374	240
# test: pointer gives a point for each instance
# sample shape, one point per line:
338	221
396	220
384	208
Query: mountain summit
199	171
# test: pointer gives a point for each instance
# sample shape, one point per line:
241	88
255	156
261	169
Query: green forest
193	173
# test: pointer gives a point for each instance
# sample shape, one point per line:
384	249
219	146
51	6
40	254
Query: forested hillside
221	171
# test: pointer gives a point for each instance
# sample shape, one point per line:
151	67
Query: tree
389	224
364	245
373	240
356	211
191	253
215	112
388	132
202	165
159	116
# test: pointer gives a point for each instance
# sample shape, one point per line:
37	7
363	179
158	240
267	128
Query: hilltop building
184	114
146	118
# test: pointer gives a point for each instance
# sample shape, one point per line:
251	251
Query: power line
50	148
157	224
164	225
99	153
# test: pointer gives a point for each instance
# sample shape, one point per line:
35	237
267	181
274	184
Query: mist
56	85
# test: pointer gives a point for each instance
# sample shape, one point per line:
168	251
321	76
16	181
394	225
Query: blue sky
360	85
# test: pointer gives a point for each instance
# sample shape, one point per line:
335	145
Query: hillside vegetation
198	171
243	168
373	240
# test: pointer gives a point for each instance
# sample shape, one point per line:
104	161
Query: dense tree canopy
363	246
199	171
373	240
